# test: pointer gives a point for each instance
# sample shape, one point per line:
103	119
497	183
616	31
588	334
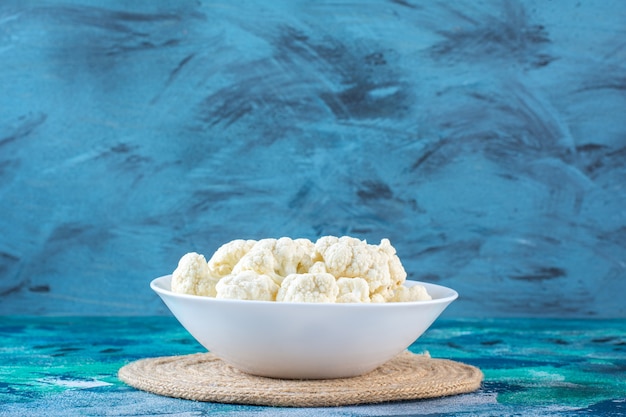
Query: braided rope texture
204	377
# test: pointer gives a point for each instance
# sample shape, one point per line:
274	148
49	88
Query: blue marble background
486	139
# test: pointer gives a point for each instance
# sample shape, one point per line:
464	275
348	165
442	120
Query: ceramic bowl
304	340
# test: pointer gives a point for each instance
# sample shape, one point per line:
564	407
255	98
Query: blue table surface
67	366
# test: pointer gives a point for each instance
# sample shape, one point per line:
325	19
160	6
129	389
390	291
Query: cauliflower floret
414	293
247	285
260	259
353	290
317	267
398	274
353	258
309	288
278	258
293	256
226	257
192	276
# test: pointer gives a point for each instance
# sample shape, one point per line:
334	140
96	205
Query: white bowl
304	340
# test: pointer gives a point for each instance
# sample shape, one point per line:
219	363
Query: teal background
67	366
486	139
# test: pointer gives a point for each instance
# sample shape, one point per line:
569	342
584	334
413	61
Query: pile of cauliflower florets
333	269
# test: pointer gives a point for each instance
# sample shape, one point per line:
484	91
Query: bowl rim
157	285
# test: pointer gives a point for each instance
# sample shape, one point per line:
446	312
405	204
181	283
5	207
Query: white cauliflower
317	268
353	290
344	270
293	256
260	259
247	285
228	255
353	258
414	293
396	270
309	288
378	298
278	258
192	276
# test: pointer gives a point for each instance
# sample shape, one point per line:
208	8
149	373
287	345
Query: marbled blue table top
67	366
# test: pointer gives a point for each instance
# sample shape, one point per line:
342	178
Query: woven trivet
204	377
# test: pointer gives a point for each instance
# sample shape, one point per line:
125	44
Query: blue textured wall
486	139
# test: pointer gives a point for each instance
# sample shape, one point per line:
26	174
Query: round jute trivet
204	377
